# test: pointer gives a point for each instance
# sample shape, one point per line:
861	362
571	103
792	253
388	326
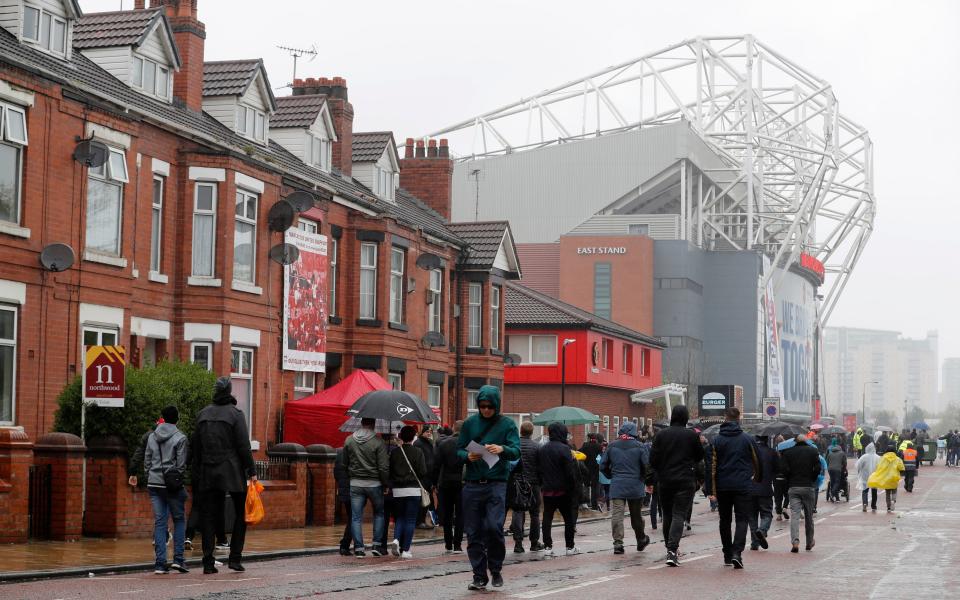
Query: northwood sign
103	375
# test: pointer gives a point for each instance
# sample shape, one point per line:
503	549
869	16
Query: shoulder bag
172	477
425	498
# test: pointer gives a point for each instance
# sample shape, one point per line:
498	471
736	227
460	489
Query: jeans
166	504
566	504
347	538
873	497
484	507
760	518
677	502
358	499
406	510
836	479
519	516
451	514
655	506
617	507
801	501
211	509
733	506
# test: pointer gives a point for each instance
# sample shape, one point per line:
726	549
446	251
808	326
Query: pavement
913	552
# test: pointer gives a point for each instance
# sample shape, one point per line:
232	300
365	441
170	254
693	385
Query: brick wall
16	457
64	453
427	173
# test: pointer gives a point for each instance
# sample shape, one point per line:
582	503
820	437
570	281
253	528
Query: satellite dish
300	200
428	261
57	257
512	360
285	254
281	215
90	153
433	339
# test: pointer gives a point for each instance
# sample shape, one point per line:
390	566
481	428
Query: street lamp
863	401
563	368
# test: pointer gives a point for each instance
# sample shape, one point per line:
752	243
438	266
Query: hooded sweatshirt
836	458
220	447
866	465
166	450
676	454
495	430
557	465
627	461
365	459
733	461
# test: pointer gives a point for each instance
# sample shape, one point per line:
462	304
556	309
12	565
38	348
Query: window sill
496	352
369	323
335	320
204	281
247	288
398	326
157	277
105	259
14	230
475	350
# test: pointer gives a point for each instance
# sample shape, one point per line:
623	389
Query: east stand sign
103	371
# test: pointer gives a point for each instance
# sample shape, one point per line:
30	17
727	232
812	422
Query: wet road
863	555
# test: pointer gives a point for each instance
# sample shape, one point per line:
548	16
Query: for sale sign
103	370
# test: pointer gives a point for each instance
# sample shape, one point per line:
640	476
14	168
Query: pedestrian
222	462
761	495
627	463
866	465
559	486
408	467
882	442
800	466
426	445
342	479
449	477
605	482
887	477
908	454
485	487
165	462
530	469
676	457
780	501
857	444
837	468
733	462
365	459
591	448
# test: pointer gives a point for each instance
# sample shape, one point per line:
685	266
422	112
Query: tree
187	386
883	417
914	414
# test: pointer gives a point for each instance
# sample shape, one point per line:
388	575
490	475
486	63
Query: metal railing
273	470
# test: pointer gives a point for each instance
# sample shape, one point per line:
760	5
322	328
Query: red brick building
171	234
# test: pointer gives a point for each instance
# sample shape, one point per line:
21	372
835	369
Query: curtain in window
203	245
243	252
103	216
9	183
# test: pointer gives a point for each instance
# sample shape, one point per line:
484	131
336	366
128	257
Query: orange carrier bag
253	512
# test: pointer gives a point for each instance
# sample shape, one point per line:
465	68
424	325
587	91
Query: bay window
13	139
204	229
474	305
105	203
368	281
397	260
245	237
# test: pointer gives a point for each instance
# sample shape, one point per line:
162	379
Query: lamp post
863	400
563	369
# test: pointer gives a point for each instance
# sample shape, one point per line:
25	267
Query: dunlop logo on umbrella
403	410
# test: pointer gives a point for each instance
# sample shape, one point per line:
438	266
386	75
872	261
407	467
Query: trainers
394	547
536	547
161	571
547	551
810	545
217	563
406	554
762	539
345	552
477	585
188	544
359	554
180	568
572	551
210	570
672	560
457	550
448	550
795	547
737	561
496	579
643	543
518	548
235	566
618	549
378	552
727	560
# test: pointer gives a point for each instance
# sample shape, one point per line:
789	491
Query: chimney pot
432	148
139	4
408	148
421	153
429	180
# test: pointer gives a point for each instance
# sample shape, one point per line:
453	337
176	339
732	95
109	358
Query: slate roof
528	308
412	212
297	111
118	28
484	238
229	77
368	146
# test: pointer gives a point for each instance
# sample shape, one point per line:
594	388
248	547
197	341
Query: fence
273	469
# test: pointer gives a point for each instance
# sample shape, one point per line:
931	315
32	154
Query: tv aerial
296	53
57	257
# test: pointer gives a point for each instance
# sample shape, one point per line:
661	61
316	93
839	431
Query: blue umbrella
921	425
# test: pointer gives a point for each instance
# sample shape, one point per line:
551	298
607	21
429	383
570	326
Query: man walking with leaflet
485	487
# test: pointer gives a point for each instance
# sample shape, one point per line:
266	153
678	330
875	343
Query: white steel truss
795	175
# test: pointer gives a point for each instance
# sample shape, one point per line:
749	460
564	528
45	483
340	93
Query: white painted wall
116	61
293	139
221	108
153	46
10	16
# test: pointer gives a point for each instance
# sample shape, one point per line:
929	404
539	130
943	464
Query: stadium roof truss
794	175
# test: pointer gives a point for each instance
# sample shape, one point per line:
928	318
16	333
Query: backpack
519	490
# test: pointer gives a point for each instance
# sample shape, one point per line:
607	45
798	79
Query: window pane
251	116
90	338
31	23
239	206
519	345
203	245
243	248
252	207
7	322
16	126
367	294
234	361
9	183
260	126
161	82
601	289
7	375
333	277
242	119
59	35
149	76
433	396
474	315
118	166
241	391
138	72
368	255
103	216
108	338
155	241
45	31
544	349
201	355
205	197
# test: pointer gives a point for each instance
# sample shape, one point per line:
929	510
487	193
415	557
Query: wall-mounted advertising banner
850	422
103	375
712	400
305	304
797	314
774	364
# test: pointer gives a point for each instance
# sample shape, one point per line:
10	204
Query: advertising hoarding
712	400
796	314
305	303
103	375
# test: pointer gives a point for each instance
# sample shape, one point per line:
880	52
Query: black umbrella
772	429
392	405
711	432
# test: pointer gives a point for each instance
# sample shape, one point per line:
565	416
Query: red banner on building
816	409
305	311
103	375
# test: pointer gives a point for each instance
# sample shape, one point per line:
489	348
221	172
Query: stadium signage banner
602	250
305	304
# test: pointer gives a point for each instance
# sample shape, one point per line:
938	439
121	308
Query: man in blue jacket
627	462
733	464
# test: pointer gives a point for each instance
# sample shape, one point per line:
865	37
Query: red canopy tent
317	419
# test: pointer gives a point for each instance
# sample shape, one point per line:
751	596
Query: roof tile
297	111
368	146
229	77
484	239
110	29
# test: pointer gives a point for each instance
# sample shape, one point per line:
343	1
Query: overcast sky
417	66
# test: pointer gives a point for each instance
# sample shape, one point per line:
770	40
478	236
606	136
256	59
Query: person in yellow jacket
887	477
857	443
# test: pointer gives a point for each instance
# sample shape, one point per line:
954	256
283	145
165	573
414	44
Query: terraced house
171	233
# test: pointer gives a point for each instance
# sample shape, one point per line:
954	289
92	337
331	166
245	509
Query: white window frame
516	338
115	175
304	384
257	122
318	152
495	294
472	401
334	250
475	315
243	198
53	20
193	354
99	330
11	343
435	311
397	254
137	79
18	144
369	267
395	380
212	213
434	390
308	225
239	374
156	212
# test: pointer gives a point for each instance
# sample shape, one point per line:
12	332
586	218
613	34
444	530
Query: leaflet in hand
488	457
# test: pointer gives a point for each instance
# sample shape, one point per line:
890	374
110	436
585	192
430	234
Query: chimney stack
139	4
426	171
189	33
341	112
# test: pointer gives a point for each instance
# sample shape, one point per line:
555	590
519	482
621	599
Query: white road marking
300	573
244	579
131	592
683	561
567	588
191	585
818	521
